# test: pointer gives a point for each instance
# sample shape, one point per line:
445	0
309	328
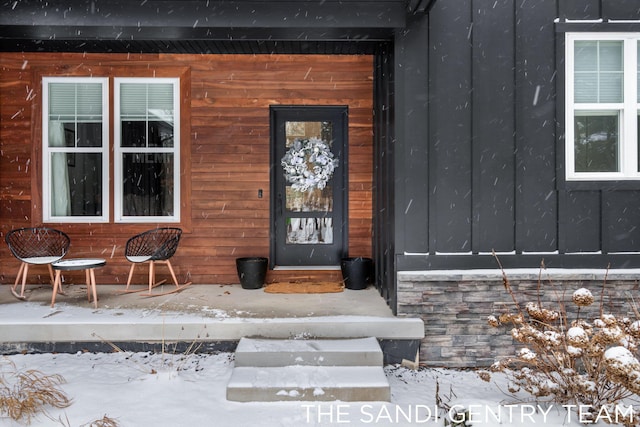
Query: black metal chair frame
36	246
153	246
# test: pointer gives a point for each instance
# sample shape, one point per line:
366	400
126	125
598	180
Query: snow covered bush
568	358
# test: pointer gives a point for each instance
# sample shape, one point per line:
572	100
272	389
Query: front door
309	186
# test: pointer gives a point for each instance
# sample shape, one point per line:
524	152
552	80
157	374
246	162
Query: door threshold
306	267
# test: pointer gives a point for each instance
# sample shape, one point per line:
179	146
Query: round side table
78	264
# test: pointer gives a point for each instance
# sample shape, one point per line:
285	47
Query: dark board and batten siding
493	143
226	157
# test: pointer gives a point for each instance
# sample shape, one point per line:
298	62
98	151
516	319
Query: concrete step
323	352
308	383
269	370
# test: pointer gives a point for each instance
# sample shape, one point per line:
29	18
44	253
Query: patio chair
36	246
153	246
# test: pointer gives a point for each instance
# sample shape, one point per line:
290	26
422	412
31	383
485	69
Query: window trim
47	216
118	150
628	109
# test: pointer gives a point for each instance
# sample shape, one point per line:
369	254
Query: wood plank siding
225	153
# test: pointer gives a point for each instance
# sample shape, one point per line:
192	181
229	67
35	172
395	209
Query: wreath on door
308	164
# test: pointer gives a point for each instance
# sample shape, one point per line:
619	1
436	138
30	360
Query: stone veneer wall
454	306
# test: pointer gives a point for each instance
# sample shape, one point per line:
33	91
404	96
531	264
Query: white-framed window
602	106
145	132
75	154
147	149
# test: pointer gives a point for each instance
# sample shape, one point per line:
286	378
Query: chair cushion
138	258
41	259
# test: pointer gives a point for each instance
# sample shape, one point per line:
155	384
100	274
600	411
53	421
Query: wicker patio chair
36	246
153	246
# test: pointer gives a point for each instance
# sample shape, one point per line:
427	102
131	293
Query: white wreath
308	164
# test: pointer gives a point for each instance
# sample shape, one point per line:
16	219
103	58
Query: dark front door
309	185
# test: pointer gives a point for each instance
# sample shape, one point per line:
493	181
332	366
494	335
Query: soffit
240	26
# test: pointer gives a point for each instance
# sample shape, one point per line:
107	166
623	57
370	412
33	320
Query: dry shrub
24	394
573	361
103	422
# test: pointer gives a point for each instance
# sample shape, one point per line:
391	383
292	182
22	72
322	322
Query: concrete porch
206	317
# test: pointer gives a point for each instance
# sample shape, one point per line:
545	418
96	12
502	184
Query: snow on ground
169	389
140	389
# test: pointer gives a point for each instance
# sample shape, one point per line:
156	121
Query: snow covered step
308	383
323	352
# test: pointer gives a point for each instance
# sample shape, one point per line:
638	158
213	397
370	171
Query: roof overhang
186	25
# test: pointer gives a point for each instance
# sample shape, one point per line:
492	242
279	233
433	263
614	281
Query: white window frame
47	216
628	109
119	217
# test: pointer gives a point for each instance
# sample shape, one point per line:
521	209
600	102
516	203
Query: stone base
454	306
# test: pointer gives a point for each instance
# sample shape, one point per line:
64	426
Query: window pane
161	98
309	231
586	56
62	134
160	134
611	87
312	200
148	187
302	130
586	87
133	100
76	184
598	71
596	143
89	100
134	133
89	135
611	54
62	101
638	69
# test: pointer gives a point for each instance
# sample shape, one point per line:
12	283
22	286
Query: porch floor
206	314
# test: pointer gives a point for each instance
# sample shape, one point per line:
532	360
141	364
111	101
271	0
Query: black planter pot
252	271
357	272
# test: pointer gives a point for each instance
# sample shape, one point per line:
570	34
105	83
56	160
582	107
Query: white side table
86	264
